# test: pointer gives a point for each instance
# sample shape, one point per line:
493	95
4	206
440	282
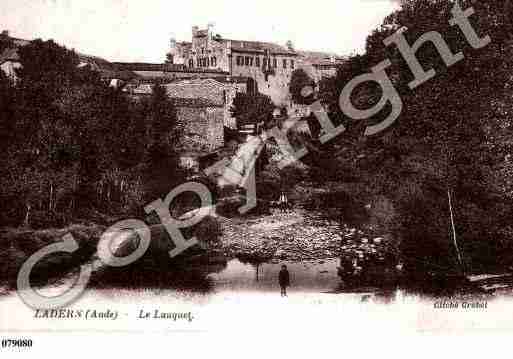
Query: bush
208	231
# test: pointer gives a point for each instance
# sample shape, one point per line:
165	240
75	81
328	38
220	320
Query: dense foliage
452	136
249	108
298	81
72	144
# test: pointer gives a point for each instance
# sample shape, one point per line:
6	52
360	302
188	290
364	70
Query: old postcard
176	170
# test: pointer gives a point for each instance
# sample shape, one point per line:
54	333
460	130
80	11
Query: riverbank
18	244
296	235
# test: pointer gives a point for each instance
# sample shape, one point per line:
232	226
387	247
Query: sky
140	30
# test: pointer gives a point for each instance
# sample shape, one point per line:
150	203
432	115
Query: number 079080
16	343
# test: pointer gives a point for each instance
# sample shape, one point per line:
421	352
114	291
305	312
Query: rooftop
193	102
259	46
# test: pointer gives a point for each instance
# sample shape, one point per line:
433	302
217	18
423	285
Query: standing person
281	202
284	280
285	202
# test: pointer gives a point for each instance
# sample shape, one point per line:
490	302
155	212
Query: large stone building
269	65
203	113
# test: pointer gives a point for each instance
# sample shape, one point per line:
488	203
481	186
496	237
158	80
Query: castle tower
210	30
175	55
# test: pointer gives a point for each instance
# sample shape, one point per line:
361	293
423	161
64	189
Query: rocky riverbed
296	236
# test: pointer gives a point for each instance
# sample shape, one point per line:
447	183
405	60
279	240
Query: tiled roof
193	102
258	46
190	93
317	54
233	79
321	58
208	89
143	89
141	66
203	33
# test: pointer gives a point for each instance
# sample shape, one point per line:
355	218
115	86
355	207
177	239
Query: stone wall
206	51
200	92
217	93
207	89
275	83
203	128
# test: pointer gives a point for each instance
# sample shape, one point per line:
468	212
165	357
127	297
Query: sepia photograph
292	169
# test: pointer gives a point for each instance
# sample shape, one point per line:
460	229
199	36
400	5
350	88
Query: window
292	64
284	63
240	60
213	61
247	61
207	62
257	61
275	63
251	61
191	63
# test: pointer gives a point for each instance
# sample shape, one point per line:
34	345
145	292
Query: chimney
210	30
172	43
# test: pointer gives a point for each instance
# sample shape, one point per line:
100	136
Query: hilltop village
202	78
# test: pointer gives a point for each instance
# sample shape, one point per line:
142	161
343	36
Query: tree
5	41
7	111
72	142
299	80
442	139
169	58
163	169
252	108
